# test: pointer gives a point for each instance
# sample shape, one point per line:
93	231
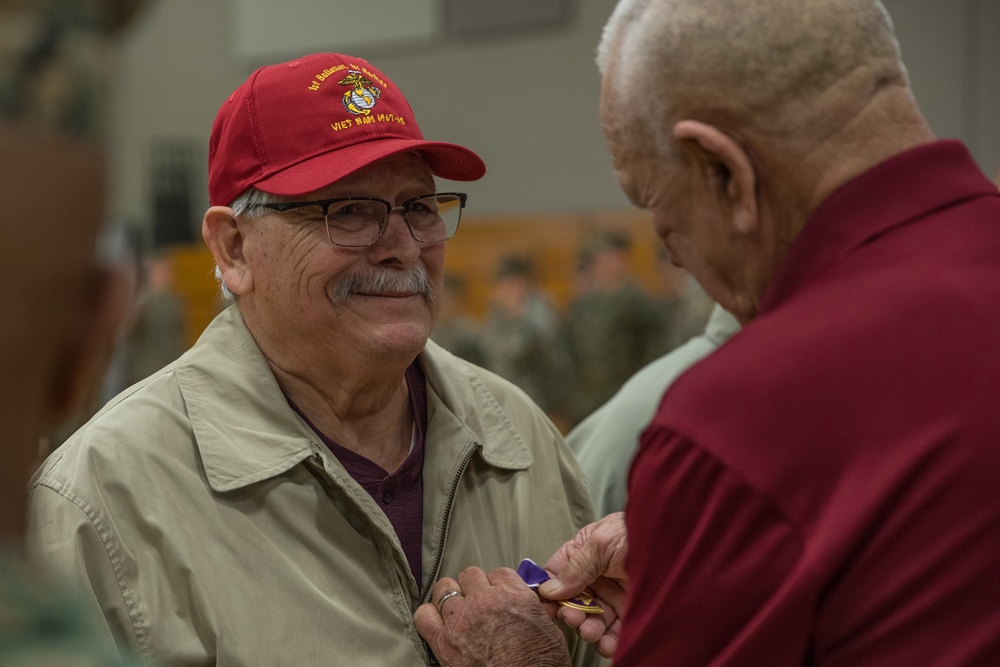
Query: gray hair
765	65
247	205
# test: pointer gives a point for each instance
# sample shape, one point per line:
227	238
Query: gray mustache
386	280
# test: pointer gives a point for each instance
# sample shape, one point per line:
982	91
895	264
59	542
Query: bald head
775	67
732	121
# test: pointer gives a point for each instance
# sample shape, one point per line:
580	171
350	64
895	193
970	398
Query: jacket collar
246	432
457	394
896	192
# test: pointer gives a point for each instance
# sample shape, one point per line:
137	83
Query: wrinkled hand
594	559
497	621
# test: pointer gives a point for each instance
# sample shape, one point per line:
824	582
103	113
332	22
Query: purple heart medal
534	575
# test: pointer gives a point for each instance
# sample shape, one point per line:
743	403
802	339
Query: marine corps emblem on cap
362	97
283	131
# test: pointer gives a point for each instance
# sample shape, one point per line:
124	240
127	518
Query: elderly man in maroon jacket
822	490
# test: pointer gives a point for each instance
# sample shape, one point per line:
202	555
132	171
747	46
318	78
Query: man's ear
727	167
224	237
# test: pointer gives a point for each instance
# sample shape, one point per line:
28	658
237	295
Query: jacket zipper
447	520
315	463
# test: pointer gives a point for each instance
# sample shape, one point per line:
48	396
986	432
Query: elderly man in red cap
288	491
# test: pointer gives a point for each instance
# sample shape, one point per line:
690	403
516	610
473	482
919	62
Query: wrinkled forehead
635	146
629	105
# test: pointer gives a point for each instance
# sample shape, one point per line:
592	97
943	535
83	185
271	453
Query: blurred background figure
455	330
156	334
694	311
523	337
61	299
684	305
61	308
606	441
56	63
668	295
614	326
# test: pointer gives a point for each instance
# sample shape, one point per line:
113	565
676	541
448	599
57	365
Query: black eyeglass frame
403	208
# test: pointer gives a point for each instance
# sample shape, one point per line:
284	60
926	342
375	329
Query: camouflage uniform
459	336
613	333
529	350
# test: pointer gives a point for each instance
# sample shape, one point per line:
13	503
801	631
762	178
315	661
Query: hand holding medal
535	575
479	618
593	562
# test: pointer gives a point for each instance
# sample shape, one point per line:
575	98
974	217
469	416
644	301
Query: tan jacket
212	527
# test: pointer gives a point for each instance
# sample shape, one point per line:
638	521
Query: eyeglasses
356	222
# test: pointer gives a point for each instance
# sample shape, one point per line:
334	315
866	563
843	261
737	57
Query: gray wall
526	101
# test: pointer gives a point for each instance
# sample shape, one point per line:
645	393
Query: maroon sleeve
710	565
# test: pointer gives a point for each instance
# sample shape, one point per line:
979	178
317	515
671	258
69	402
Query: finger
607	646
442	586
605	619
509	580
472	580
447	603
551	608
609	643
444	591
557	562
580	570
610	592
428	621
574	618
592	629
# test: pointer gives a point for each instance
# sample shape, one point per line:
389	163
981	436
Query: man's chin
406	339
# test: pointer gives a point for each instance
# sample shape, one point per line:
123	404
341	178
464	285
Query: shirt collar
896	192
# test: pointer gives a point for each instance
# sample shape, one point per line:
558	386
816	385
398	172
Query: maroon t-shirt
401	493
825	489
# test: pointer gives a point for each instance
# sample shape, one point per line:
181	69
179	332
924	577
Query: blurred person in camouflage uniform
615	327
158	326
61	303
455	330
524	336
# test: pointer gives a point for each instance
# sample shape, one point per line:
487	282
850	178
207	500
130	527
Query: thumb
581	570
597	551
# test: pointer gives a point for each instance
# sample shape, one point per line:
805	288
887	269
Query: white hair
247	205
769	64
623	14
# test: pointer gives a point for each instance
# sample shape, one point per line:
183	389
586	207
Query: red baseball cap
299	126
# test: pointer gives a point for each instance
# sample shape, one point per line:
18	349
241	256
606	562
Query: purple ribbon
533	574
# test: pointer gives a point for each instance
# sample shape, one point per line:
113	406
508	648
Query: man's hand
594	560
489	621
